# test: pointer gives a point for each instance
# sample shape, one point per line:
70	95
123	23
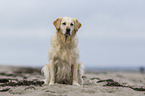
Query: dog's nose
68	31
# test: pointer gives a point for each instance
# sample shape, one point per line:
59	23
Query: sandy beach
23	81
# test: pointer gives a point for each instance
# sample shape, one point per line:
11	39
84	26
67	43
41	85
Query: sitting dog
64	66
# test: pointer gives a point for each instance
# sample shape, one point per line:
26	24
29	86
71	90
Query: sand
22	81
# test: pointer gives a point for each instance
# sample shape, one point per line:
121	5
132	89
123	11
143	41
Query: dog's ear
77	25
57	23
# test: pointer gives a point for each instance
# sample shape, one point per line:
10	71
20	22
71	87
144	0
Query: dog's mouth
67	36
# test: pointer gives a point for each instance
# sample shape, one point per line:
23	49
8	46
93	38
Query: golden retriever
64	66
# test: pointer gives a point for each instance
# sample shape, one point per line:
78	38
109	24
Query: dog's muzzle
67	31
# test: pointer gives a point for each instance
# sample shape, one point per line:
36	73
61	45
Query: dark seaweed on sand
4	90
110	82
21	83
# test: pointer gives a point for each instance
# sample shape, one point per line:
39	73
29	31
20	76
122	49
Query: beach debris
111	82
20	73
4	80
4	90
50	91
8	82
7	74
138	89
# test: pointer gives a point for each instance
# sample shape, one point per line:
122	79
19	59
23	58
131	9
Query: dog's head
67	26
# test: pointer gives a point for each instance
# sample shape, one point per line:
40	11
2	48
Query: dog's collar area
66	36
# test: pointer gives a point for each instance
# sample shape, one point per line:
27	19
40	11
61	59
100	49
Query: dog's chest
65	54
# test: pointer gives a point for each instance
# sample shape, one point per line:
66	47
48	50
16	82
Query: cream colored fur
64	66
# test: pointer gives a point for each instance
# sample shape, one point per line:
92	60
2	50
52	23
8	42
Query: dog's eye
71	24
64	23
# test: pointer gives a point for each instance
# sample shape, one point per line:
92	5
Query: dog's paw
51	83
76	84
46	82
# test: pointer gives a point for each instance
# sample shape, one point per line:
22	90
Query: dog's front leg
75	79
52	78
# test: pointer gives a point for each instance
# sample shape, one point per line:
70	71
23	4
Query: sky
112	32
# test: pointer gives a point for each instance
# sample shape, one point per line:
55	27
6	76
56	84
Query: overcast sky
112	32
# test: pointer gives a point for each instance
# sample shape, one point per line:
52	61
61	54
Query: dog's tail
46	73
